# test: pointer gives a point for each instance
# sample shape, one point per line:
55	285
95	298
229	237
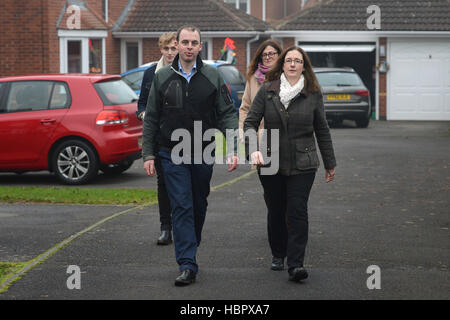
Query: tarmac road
388	207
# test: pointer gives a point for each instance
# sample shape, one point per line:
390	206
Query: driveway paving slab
388	207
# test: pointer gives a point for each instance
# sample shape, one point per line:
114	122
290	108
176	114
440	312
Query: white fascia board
336	36
205	34
82	33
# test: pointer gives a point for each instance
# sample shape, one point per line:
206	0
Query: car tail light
111	117
362	93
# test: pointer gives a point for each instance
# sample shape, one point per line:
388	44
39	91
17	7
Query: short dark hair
190	28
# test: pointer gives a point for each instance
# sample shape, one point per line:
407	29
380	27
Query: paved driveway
388	207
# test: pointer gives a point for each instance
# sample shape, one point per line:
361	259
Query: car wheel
116	168
74	162
363	122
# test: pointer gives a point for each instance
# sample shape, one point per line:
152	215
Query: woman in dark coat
291	102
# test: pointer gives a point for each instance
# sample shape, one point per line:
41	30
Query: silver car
345	96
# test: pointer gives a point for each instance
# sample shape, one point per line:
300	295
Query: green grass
7	269
73	195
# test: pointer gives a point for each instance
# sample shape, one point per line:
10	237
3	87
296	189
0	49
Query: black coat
147	81
298	124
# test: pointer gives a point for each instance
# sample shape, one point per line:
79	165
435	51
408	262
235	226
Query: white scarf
160	64
288	92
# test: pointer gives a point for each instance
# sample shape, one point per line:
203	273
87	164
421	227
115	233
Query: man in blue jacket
168	47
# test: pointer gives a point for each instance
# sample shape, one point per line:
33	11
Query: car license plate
338	97
140	142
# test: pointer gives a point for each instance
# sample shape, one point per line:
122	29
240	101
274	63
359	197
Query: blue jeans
188	187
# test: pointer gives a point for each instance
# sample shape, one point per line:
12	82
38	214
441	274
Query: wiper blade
343	85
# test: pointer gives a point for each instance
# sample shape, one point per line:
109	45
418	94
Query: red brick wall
293	6
274	10
116	8
256	8
51	39
288	42
21	37
150	50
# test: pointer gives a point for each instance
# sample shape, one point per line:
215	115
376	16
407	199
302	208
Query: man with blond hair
168	46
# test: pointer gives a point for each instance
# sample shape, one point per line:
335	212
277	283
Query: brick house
36	38
112	36
147	19
404	60
402	51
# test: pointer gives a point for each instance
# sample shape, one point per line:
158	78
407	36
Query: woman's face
293	64
269	56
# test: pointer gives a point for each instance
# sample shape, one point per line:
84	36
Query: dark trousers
188	187
287	218
163	198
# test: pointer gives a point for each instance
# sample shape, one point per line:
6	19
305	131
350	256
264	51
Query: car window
231	75
37	95
60	96
29	96
331	79
115	92
134	80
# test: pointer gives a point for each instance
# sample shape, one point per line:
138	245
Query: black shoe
277	264
186	277
297	274
165	238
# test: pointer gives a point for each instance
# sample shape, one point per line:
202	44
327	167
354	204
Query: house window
74	56
206	53
82	51
243	5
132	55
95	55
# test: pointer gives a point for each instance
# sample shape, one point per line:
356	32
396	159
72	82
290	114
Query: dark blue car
230	74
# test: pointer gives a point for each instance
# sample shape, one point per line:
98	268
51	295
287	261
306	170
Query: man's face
189	45
169	51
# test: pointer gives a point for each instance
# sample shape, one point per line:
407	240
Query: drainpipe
264	10
256	38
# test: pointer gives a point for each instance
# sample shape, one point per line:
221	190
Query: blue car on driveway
230	74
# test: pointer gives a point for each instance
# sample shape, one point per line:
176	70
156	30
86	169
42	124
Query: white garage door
419	80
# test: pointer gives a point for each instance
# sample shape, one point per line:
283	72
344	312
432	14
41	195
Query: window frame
123	52
84	36
237	4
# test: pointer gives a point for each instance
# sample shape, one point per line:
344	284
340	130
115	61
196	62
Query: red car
70	124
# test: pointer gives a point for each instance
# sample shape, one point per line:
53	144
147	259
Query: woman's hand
329	175
257	158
